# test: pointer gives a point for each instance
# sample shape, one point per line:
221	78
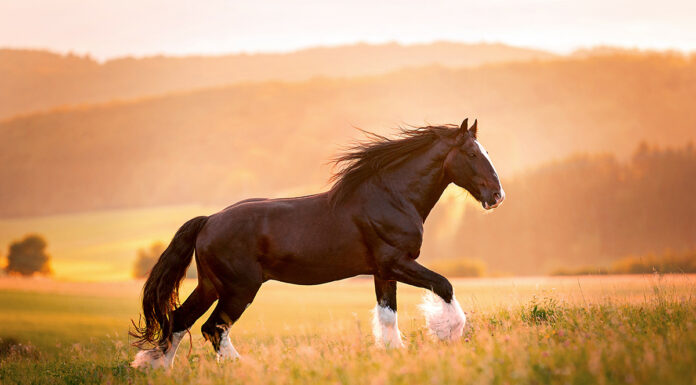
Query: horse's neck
420	181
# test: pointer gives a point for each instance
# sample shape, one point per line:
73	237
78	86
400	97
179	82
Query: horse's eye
472	155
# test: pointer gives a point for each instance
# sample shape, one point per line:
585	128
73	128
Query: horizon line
310	47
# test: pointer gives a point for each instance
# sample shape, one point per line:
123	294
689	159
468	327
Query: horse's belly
314	269
315	278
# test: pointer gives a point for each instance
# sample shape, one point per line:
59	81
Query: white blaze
485	153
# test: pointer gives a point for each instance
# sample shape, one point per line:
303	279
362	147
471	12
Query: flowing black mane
377	153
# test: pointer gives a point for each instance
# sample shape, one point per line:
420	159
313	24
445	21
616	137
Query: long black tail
161	291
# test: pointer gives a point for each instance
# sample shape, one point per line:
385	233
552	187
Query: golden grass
604	329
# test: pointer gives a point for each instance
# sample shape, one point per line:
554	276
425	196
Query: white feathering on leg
227	351
171	352
385	327
157	358
444	320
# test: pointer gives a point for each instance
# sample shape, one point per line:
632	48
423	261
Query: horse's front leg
384	321
443	315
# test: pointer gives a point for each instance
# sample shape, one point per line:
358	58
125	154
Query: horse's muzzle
497	199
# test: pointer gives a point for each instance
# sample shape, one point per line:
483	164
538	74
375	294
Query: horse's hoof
227	356
227	352
444	320
150	359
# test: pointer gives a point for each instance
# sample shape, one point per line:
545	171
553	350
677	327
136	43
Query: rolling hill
219	145
222	144
40	80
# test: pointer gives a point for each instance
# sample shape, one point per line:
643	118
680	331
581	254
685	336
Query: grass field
570	330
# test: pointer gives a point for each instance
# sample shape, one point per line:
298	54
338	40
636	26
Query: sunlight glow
179	27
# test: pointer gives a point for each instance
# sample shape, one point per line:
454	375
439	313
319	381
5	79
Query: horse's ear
465	125
474	128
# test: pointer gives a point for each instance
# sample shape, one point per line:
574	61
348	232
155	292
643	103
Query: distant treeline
588	211
668	262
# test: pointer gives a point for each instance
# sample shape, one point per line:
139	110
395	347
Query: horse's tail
161	291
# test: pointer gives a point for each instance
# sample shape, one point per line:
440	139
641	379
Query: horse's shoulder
399	230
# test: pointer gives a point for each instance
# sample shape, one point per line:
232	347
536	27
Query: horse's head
468	166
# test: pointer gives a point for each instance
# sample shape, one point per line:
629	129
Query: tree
146	259
28	256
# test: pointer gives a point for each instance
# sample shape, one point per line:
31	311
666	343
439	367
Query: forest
587	211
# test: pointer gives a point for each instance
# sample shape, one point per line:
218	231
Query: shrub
11	347
146	259
459	267
28	256
541	311
666	263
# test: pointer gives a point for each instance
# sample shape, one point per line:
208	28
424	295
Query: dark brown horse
370	222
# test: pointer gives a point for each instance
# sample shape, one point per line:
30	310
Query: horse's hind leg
232	303
384	321
192	309
182	318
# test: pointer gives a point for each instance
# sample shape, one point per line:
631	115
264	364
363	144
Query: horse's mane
377	153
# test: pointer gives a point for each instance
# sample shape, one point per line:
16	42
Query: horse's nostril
496	196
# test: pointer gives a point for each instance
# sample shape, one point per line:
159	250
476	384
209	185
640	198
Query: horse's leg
232	303
384	321
443	315
162	356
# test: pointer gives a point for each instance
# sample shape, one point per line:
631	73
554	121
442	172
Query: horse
370	222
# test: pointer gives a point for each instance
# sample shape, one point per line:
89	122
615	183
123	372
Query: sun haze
107	29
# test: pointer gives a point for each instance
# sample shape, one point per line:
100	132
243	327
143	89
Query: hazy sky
108	28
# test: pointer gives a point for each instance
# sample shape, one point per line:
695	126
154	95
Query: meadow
99	245
537	330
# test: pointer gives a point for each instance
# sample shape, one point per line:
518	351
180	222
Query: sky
115	28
